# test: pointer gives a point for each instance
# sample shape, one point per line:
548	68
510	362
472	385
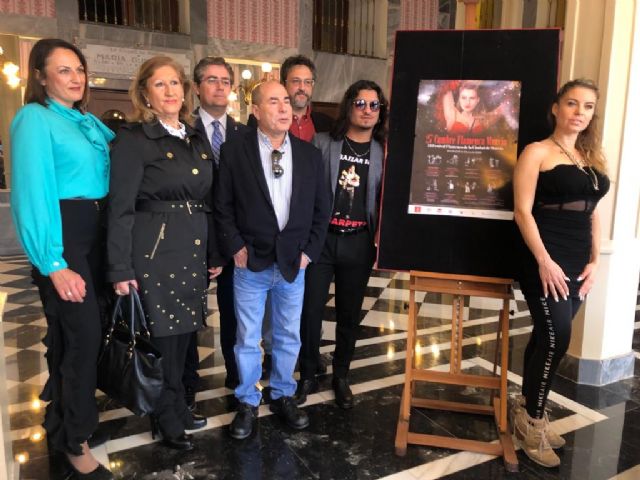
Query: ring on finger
68	293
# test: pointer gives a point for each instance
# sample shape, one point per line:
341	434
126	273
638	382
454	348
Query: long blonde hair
144	113
588	141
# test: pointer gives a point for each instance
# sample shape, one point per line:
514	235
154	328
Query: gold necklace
591	174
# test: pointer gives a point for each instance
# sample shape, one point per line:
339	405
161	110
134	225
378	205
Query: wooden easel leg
504	366
402	430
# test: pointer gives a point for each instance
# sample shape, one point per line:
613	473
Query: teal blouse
56	153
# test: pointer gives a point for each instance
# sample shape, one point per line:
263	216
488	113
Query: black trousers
548	344
171	410
190	377
228	322
349	259
74	331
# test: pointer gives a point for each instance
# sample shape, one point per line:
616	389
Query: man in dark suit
353	156
213	78
272	208
298	75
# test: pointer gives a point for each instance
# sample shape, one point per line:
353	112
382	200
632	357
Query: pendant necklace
591	174
354	152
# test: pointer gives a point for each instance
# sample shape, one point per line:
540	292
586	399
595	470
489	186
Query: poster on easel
465	148
463	104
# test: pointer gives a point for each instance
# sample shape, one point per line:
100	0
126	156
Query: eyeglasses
361	104
276	168
225	82
308	82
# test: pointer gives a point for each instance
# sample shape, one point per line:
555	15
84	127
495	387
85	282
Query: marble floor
601	424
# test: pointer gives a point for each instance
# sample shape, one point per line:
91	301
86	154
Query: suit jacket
331	150
321	121
245	213
233	129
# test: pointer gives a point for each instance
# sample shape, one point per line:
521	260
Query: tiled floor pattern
601	425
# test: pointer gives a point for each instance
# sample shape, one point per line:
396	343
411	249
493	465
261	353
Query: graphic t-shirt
349	206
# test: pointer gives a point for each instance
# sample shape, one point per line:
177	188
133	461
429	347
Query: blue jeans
250	291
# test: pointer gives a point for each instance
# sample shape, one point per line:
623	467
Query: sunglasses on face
361	104
276	168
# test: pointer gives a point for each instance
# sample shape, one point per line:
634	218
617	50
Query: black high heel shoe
181	442
100	473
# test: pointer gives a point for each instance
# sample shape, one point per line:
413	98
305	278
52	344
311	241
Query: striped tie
216	140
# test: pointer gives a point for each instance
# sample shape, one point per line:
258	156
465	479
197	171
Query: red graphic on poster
465	148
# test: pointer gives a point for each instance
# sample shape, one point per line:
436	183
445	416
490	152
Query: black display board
449	244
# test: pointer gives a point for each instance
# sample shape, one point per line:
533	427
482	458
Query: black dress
160	225
564	203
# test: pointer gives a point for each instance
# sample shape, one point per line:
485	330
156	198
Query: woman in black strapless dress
557	185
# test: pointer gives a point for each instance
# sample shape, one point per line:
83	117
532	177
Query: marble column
8	468
600	351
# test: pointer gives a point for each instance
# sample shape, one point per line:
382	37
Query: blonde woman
160	238
558	183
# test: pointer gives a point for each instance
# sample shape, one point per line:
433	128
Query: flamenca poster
465	148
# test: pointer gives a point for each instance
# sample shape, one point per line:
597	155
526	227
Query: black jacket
245	214
233	129
154	235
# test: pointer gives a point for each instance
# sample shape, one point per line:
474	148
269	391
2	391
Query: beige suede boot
531	435
555	440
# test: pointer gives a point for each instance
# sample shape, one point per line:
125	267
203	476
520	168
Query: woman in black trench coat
160	238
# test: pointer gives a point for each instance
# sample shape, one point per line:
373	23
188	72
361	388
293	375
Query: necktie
216	140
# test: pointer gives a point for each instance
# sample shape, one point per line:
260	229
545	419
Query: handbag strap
136	307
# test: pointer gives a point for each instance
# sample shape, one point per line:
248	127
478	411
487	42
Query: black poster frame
459	245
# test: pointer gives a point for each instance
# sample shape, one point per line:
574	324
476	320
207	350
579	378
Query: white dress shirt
279	188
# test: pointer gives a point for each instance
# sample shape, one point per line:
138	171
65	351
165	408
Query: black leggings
74	331
548	344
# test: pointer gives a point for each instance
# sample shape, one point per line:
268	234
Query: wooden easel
460	286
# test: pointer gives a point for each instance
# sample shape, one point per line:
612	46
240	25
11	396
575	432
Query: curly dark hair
294	61
341	126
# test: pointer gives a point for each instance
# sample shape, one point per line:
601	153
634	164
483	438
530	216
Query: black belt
343	232
172	206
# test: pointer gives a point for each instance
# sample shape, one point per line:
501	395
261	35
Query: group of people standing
274	212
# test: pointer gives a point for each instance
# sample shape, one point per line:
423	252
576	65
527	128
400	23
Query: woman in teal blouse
60	176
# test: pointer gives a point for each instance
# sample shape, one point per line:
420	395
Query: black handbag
129	367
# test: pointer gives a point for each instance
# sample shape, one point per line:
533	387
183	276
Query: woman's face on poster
468	100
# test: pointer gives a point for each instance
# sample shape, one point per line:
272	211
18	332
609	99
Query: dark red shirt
302	127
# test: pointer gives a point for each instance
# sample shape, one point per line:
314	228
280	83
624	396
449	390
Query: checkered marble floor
601	424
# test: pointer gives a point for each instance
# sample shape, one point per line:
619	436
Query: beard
300	102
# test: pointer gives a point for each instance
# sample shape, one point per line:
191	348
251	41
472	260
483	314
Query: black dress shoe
195	422
344	396
190	398
286	408
244	422
306	387
184	441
